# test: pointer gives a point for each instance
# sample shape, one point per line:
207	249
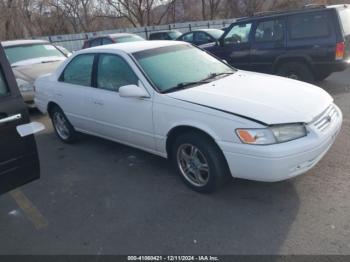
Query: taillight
340	51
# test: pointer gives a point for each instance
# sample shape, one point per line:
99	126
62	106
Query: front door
19	163
235	46
128	120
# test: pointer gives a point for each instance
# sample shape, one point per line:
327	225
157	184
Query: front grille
327	118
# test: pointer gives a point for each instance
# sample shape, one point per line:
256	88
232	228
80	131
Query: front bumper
282	161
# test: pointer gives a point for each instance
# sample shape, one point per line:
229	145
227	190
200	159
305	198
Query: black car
307	44
19	163
165	35
202	36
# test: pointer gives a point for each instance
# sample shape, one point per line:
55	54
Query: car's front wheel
199	162
63	128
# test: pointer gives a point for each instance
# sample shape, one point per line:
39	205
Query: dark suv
307	44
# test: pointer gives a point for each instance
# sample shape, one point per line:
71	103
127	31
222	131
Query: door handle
10	119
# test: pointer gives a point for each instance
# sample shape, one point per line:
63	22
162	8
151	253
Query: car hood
264	98
31	72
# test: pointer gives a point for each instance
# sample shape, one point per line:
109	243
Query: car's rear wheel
199	162
322	76
63	128
297	71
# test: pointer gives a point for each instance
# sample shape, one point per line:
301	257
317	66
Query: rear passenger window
113	72
270	31
4	91
310	25
107	41
78	71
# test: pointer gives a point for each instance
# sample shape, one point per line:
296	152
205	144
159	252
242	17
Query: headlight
272	135
24	86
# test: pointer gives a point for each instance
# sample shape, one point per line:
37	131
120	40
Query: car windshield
216	33
345	19
129	38
175	66
25	52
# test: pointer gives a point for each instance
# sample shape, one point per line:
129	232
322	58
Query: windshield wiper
50	61
184	85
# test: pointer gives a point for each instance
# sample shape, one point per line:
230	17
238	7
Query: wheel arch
176	131
287	59
50	106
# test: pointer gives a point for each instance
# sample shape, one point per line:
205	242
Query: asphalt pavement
100	197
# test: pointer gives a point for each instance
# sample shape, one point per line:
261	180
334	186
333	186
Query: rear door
19	163
268	44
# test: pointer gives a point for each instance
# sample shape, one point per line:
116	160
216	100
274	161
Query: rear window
125	39
345	20
25	52
309	26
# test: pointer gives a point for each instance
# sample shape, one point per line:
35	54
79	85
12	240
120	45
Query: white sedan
179	102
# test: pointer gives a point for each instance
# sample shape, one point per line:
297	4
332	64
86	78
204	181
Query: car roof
111	35
164	31
306	9
23	42
132	47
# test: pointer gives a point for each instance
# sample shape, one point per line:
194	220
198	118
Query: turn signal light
340	51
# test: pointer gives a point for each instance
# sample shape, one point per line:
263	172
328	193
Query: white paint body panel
218	109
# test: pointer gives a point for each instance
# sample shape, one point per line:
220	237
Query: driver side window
238	34
113	72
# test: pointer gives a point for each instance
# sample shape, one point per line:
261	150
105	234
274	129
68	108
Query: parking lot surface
100	197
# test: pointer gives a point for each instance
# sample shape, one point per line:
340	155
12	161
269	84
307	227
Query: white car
177	101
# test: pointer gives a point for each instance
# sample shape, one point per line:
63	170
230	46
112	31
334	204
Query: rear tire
200	163
63	128
297	71
322	76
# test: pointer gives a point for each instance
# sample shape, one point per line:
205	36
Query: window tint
95	42
113	72
79	70
106	41
238	34
3	86
270	31
203	38
310	25
188	38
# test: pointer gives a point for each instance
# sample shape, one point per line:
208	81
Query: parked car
202	36
19	162
307	44
165	35
30	59
176	101
111	39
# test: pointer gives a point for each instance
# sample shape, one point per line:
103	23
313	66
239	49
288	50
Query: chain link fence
74	42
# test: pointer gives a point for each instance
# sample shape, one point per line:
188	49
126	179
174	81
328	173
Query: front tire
200	162
63	128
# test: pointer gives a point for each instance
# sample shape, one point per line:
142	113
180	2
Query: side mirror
133	91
